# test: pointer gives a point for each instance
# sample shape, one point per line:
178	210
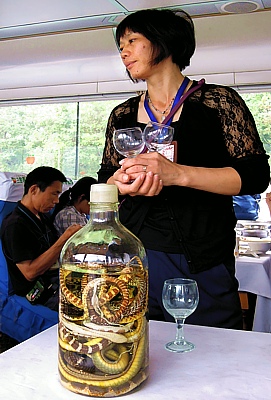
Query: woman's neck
162	93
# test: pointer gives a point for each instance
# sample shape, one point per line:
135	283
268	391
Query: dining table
254	276
226	364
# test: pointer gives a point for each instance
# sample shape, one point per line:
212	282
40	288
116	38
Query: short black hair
43	177
80	188
171	33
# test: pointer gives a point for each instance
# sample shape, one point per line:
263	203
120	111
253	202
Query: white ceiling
57	47
28	17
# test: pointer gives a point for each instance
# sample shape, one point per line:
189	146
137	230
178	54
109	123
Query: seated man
246	207
30	242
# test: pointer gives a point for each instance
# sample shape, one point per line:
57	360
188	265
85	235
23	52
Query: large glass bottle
103	329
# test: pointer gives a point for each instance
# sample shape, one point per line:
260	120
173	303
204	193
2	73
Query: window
67	136
260	107
70	136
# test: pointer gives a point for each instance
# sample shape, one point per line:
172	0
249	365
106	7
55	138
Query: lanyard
44	235
176	100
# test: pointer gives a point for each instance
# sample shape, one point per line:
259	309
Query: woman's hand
225	180
137	181
151	162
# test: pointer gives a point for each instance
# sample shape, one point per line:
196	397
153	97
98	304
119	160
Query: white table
226	365
254	276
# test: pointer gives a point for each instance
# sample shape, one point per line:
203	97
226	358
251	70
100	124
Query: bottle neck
104	212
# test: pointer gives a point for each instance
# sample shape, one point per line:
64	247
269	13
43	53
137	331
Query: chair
18	318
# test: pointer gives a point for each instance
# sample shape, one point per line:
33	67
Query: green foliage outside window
55	137
49	133
260	107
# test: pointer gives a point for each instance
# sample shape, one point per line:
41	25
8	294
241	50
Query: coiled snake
102	330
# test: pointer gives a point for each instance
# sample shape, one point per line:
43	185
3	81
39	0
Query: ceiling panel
231	48
25	12
35	17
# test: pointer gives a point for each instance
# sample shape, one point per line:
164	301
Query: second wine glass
157	136
128	141
180	299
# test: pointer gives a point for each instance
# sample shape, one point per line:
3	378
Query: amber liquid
103	330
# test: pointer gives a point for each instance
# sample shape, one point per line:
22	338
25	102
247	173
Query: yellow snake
103	345
115	382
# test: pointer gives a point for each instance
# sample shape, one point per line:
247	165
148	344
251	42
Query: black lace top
215	130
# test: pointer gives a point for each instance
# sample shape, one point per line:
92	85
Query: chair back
11	191
18	318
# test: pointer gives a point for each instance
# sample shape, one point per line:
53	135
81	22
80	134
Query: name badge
170	151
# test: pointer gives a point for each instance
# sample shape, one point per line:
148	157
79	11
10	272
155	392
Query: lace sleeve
110	155
122	116
240	133
246	150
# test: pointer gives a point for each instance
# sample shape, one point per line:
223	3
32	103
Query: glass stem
179	331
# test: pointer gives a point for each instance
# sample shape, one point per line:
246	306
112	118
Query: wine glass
128	141
180	299
157	136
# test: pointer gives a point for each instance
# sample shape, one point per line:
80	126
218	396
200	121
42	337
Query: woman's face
136	54
83	206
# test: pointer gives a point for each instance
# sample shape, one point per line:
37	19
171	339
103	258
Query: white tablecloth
254	276
226	365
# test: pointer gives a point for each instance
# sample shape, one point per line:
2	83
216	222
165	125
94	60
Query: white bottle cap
103	193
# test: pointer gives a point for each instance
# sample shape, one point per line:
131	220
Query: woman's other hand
137	181
151	162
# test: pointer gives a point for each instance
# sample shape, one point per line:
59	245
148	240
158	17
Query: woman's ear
81	198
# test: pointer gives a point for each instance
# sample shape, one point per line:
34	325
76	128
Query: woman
182	211
73	205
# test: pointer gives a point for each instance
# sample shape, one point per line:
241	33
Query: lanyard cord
45	235
176	101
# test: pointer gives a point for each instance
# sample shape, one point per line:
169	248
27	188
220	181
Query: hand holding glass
180	299
129	141
157	136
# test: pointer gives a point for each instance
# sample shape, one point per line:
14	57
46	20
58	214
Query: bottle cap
103	193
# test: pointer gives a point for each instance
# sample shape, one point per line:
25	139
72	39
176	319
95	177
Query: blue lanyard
176	100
